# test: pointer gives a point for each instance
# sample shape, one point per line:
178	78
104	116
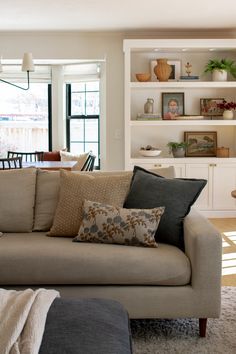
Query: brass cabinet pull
157	165
213	165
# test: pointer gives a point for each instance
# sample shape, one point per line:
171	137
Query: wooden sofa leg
202	327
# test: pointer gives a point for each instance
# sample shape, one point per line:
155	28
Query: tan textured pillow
47	195
67	156
17	196
104	223
74	188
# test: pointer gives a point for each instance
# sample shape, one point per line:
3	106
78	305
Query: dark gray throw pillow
148	190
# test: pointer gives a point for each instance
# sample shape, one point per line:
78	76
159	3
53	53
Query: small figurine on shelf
188	70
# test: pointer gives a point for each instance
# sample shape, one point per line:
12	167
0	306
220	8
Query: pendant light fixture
27	65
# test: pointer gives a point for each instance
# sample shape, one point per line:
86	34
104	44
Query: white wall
82	46
67	45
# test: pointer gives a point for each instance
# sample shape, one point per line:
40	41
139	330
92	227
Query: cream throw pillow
17	197
74	188
67	156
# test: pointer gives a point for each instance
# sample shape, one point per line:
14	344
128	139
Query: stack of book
191	77
149	116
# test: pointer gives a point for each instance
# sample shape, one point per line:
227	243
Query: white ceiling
116	15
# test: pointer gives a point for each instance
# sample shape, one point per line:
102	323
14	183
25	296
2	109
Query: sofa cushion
47	195
17	196
176	195
74	188
47	192
110	224
35	259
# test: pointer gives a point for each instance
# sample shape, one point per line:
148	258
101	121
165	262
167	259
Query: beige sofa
162	282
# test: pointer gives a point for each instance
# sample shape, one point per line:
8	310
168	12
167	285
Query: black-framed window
83	118
25	118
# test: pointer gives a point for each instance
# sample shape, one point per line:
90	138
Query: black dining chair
89	163
11	163
27	156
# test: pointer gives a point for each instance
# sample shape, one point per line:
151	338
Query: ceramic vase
162	70
148	107
219	75
178	152
228	114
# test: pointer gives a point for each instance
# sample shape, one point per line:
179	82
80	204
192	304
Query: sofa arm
203	246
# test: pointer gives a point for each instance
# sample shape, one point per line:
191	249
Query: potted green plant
177	149
220	69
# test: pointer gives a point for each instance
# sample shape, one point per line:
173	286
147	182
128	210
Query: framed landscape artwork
201	144
208	107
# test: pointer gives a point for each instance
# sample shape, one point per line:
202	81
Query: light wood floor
227	227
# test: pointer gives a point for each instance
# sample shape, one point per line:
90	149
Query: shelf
182	84
176	45
206	122
174	160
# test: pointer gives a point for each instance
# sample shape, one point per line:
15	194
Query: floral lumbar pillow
110	224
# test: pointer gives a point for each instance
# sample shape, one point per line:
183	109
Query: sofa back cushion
47	194
48	186
17	197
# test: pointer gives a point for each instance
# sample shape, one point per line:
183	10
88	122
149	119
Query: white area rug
182	336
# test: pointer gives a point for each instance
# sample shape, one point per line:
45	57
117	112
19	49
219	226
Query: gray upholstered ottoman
86	326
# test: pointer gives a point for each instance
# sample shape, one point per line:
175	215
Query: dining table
51	165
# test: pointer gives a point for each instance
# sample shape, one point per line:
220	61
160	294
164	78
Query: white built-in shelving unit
216	198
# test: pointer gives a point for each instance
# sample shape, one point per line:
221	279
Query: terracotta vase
162	70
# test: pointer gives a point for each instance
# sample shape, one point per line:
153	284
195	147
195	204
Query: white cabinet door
179	167
224	182
202	170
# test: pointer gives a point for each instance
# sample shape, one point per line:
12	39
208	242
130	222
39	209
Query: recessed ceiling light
211	49
184	50
156	49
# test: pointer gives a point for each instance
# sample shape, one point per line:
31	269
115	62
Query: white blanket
22	319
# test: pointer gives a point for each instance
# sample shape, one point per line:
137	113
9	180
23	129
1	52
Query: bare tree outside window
24	118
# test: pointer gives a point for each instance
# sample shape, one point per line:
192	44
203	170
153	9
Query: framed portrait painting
200	144
172	105
209	108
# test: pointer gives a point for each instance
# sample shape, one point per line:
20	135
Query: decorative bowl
149	153
142	77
